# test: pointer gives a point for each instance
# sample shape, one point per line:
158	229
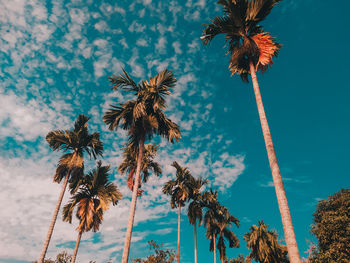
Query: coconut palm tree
251	49
195	209
179	190
71	165
142	117
148	164
264	245
93	198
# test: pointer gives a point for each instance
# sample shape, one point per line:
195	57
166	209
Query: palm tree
143	117
252	49
195	209
264	245
210	202
129	164
180	190
71	164
93	198
223	222
218	219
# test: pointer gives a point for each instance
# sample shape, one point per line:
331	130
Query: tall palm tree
179	190
264	245
71	165
148	164
93	198
195	209
252	49
143	117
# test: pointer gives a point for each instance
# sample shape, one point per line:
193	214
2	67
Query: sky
56	57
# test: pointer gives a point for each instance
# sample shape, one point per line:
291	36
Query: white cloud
136	27
26	120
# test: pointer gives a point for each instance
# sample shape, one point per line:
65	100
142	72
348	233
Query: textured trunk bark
214	249
292	247
76	247
53	221
195	242
133	203
178	235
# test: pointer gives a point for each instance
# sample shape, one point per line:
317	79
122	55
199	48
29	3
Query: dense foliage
332	229
159	255
264	246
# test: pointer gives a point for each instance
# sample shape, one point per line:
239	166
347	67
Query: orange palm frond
267	49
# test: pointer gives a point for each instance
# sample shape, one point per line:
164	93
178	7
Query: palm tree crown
148	164
76	141
264	245
195	208
94	196
180	188
143	117
247	42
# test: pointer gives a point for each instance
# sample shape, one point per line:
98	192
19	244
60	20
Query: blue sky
55	60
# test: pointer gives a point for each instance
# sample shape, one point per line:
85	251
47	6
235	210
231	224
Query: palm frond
268	48
58	140
124	81
121	114
258	10
81	123
219	25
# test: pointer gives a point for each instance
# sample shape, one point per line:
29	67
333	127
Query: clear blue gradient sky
55	60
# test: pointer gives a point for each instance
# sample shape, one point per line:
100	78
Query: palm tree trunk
76	247
133	202
289	234
178	236
195	242
53	220
214	248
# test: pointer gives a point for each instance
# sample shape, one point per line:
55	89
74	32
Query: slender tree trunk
214	248
53	221
195	242
289	234
178	235
76	247
133	202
